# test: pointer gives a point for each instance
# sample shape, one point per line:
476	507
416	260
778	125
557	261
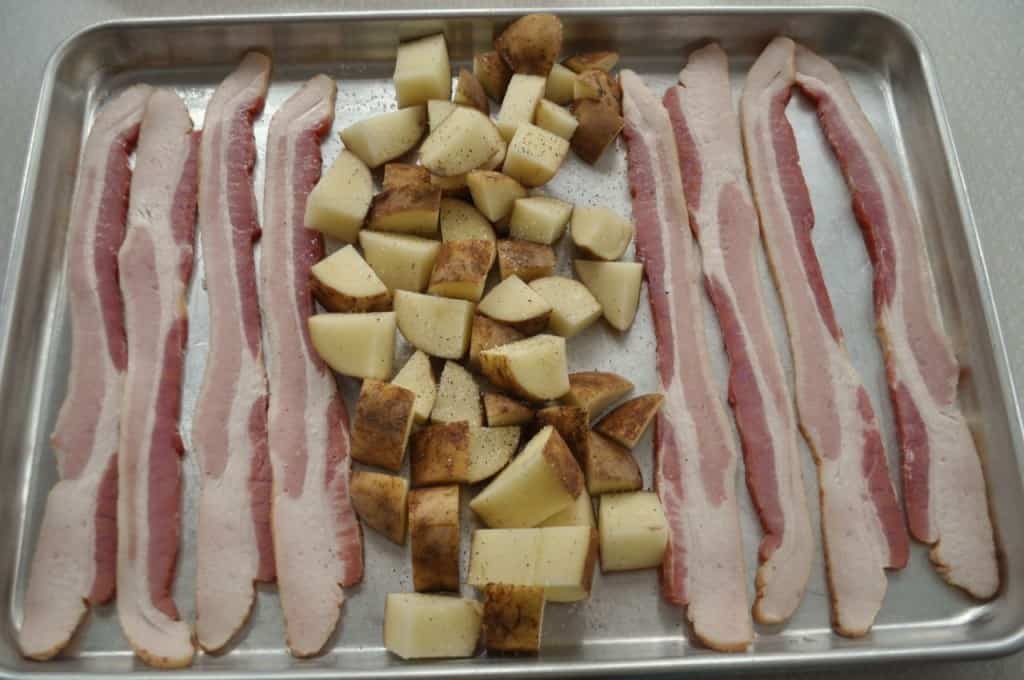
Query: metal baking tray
625	627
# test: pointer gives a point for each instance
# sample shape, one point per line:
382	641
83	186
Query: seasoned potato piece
543	479
464	141
599	85
616	285
534	155
599	124
504	556
438	326
409	209
440	454
338	204
422	71
493	73
359	345
531	44
540	219
450	186
609	467
494	193
502	410
594	391
418	626
344	282
573	307
559	85
556	119
628	422
458	397
380	429
418	375
434	533
534	368
437	111
398	175
487	333
603	61
386	136
579	514
461	268
513	617
490	449
634	531
380	501
402	262
524	259
571	424
469	92
515	304
521	98
461	221
600	232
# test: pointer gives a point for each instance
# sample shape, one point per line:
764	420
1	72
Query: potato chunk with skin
380	429
609	467
594	391
534	368
598	85
418	375
490	450
402	262
501	410
616	285
600	232
520	103
513	617
440	454
634	531
359	345
493	73
438	326
343	282
418	626
515	304
422	71
437	111
573	307
434	534
524	259
534	155
571	424
461	268
494	193
579	514
487	333
386	136
540	219
409	209
556	119
465	140
338	204
600	122
458	397
628	422
531	44
380	501
604	61
461	221
469	92
559	85
405	174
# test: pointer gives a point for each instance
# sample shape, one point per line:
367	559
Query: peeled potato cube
487	333
634	531
469	92
418	626
594	391
438	326
344	282
579	514
556	119
521	98
493	73
359	345
540	219
559	85
422	71
461	268
501	410
465	140
494	193
599	124
616	285
573	307
417	375
402	262
524	259
609	467
338	204
513	617
490	449
600	232
458	397
604	61
531	43
408	209
380	501
386	136
534	368
380	429
434	535
440	454
515	304
571	424
534	155
504	556
461	221
437	111
405	174
628	422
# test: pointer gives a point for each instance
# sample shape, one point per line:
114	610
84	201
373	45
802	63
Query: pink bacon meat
156	264
694	450
74	562
723	219
862	525
317	541
943	482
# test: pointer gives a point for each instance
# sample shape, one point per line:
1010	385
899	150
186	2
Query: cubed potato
503	556
556	119
338	204
616	285
422	71
440	454
515	304
458	397
461	268
490	450
524	259
398	175
359	345
438	326
609	467
386	136
434	534
542	480
534	368
559	85
494	193
603	61
520	103
513	617
600	232
579	514
380	429
595	391
461	221
599	85
410	209
531	43
418	375
540	219
534	155
493	73
469	92
437	111
344	282
600	122
628	422
464	141
402	262
634	531
501	410
487	333
450	186
418	626
380	501
571	424
573	307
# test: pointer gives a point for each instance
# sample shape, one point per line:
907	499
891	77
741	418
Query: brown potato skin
380	501
609	467
398	175
493	74
604	61
470	89
525	259
407	198
463	261
380	428
502	411
440	454
531	44
496	369
627	423
333	300
487	333
513	617
434	535
560	458
609	91
595	391
572	425
599	124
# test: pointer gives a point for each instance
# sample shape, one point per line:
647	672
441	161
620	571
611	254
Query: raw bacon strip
694	450
722	218
229	433
156	264
73	566
862	526
317	543
943	483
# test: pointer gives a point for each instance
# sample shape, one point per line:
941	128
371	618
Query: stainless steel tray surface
625	627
